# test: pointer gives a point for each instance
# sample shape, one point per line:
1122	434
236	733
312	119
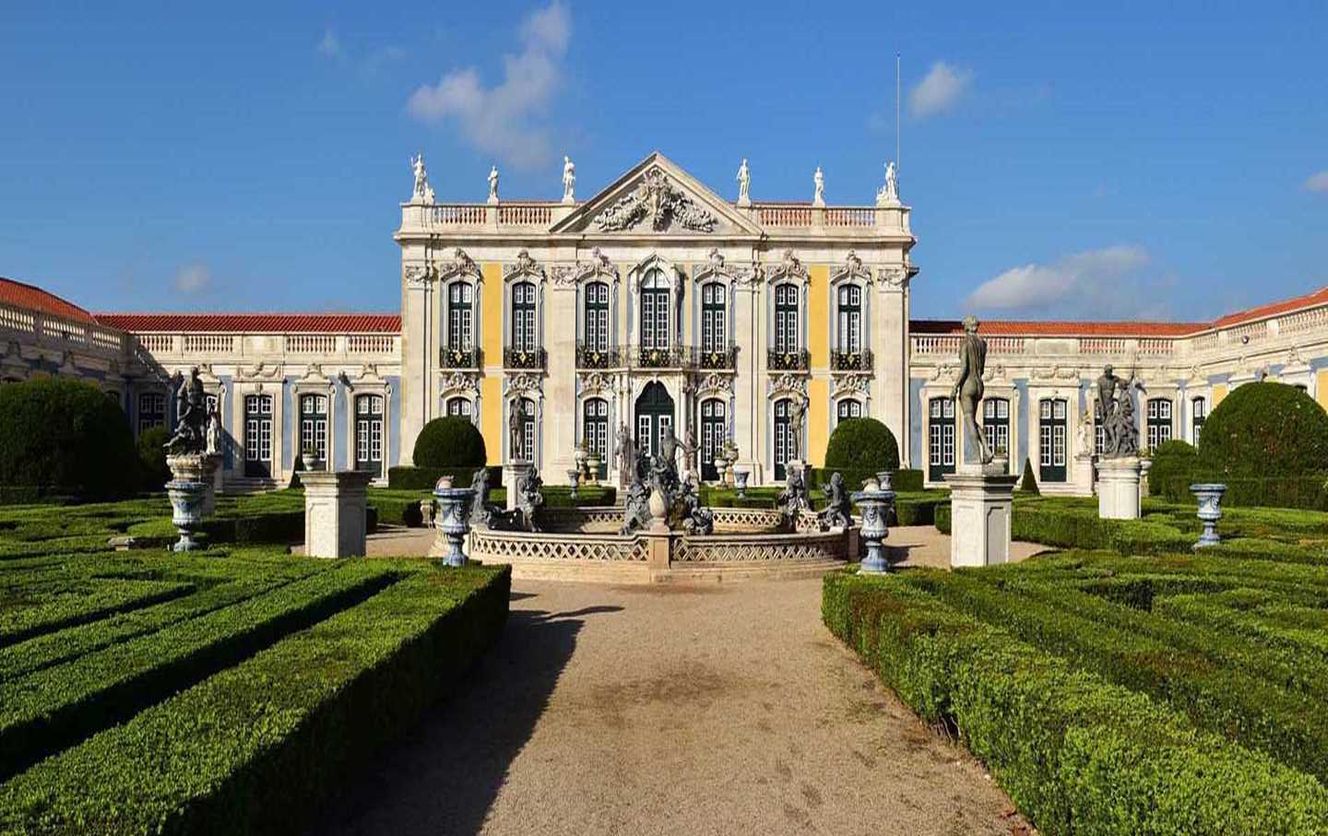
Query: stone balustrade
301	347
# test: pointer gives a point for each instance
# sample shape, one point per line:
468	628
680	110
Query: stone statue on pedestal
569	180
514	425
422	191
796	411
838	509
792	501
530	499
968	389
637	512
493	184
1120	430
213	445
818	182
889	193
191	412
696	519
744	184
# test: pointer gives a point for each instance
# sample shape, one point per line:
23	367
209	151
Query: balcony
597	358
523	358
788	361
665	357
723	359
851	361
460	358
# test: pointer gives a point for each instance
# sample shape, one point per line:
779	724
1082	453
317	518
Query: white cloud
1317	182
505	119
330	45
192	279
939	90
1090	281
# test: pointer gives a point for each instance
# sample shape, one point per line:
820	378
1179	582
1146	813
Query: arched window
595	428
1158	422
849	303
369	433
655	310
940	438
258	435
1198	412
460	407
714	317
313	425
714	432
1053	422
460	316
524	337
787	338
996	424
597	316
848	408
151	410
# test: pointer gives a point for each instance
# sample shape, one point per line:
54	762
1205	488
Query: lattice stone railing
746	548
587	518
506	546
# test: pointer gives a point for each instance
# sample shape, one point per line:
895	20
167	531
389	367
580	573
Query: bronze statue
968	388
191	412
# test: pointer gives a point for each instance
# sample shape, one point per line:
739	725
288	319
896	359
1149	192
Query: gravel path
719	709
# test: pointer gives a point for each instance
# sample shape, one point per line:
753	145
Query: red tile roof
1034	328
1318	297
22	295
256	323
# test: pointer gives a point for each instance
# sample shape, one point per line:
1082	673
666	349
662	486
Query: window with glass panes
848	408
1157	423
151	410
786	318
783	437
1198	412
524	337
996	424
595	430
713	317
940	438
459	406
597	316
714	432
313	425
258	435
369	432
655	311
1053	424
850	319
527	434
460	316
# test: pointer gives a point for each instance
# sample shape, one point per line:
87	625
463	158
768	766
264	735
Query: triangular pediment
657	197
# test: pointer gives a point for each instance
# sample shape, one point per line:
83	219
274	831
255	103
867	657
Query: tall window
258	435
527	434
1099	429
713	317
460	316
524	337
1052	426
151	410
849	301
597	316
595	426
783	437
460	407
655	310
848	408
313	425
996	424
786	318
369	433
1198	412
940	438
1158	422
714	432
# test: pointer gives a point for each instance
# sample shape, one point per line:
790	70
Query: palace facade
654	303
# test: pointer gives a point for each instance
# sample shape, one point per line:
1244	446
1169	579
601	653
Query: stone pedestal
1118	488
874	504
334	512
512	475
981	500
199	467
1210	511
454	521
1081	475
186	511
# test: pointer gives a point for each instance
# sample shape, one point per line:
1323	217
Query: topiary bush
1174	463
65	437
152	458
1028	483
450	442
858	448
1264	430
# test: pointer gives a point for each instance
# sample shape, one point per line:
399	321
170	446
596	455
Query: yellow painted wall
1321	387
818	317
491	343
818	420
491	422
1219	392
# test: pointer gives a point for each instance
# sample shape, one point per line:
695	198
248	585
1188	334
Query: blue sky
1063	159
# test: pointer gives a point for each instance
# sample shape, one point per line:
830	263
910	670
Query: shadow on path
443	777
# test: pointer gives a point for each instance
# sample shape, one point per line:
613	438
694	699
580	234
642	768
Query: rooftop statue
744	184
191	407
889	193
968	388
493	184
569	180
422	192
818	181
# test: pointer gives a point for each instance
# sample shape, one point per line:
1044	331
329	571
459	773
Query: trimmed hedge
861	445
451	441
1075	753
409	478
152	468
81	603
1307	492
1264	430
1174	462
256	747
64	437
1074	528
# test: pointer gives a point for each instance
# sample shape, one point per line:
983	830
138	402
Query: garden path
726	708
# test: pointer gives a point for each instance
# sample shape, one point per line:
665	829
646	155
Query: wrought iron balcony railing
788	361
460	358
851	361
588	357
666	357
523	358
717	358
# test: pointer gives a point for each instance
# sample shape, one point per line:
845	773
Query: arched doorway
654	412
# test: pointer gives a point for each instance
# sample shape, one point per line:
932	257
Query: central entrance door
654	412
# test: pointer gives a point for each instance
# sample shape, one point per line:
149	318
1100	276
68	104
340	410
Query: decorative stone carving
523	266
416	275
789	383
459	381
747	276
524	383
893	276
460	265
569	180
599	265
595	382
852	383
789	267
422	191
715	383
659	201
851	269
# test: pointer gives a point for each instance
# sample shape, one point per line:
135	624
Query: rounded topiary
65	437
152	458
1174	462
1262	430
450	442
862	444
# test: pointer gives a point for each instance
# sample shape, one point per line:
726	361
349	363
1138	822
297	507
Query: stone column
748	382
1118	488
890	345
1081	475
335	505
512	474
560	407
981	502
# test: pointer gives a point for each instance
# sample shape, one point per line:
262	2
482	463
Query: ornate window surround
524	268
790	271
851	272
675	280
368	382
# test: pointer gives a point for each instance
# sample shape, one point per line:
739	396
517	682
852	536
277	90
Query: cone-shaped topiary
65	437
449	442
1264	429
1028	484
